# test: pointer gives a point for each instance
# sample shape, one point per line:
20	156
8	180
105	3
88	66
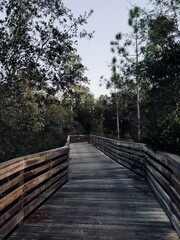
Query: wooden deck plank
101	201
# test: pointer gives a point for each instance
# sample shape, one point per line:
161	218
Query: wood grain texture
101	201
27	181
161	170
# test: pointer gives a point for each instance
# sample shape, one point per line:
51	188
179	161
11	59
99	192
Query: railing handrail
160	169
27	157
27	181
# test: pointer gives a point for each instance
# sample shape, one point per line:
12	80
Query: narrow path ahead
101	201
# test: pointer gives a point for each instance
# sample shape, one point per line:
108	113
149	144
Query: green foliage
81	102
155	67
125	66
36	44
37	59
160	29
162	71
25	121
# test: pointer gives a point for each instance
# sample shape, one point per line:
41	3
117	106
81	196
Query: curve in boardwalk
102	200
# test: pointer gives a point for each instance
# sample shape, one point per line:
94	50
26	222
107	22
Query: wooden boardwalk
101	201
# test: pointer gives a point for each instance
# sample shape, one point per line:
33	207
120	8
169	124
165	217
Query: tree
152	73
114	83
162	70
37	59
125	65
20	119
37	43
102	117
81	102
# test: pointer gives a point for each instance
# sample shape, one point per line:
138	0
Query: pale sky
109	18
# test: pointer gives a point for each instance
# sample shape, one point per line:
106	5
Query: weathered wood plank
28	186
4	187
161	168
16	207
10	170
30	207
102	200
27	181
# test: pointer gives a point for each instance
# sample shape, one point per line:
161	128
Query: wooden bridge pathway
101	201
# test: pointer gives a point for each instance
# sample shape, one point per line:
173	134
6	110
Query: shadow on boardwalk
102	200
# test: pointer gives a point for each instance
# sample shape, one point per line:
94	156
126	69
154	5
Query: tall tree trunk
138	114
138	93
117	113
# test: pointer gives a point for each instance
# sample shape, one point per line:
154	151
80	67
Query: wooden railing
78	138
161	170
26	182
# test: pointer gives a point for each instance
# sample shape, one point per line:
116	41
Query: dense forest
44	91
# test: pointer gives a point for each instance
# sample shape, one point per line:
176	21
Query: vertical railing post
21	199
